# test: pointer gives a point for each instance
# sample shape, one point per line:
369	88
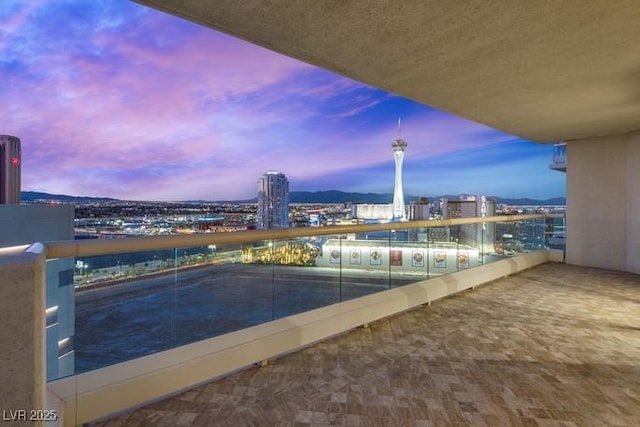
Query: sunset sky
110	98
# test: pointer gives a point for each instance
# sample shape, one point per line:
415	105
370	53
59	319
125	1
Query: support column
633	203
22	337
603	202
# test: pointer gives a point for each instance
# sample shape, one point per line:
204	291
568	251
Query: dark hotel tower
10	165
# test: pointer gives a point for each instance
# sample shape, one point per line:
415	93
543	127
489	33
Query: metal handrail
78	248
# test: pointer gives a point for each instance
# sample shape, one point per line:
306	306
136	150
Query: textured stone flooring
556	345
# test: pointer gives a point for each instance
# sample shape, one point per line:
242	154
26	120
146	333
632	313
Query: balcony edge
111	390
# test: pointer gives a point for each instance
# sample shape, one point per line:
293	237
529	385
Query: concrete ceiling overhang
544	70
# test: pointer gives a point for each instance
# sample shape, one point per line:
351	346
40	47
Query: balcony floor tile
555	345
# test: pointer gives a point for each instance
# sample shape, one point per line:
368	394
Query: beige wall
602	202
633	203
22	377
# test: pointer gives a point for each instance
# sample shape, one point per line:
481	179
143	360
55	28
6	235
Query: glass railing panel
131	305
422	239
469	246
507	240
408	256
128	305
123	307
440	250
528	235
365	264
96	271
59	318
538	235
516	237
305	276
554	231
532	235
233	291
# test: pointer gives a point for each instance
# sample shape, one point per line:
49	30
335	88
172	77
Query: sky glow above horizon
113	99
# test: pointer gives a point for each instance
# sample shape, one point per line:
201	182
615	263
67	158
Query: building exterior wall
602	190
382	212
10	169
27	224
273	201
486	232
403	257
481	236
419	211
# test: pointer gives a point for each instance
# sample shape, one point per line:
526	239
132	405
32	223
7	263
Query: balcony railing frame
84	397
78	248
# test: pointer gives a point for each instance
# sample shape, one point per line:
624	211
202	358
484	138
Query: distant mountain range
34	196
330	196
335	196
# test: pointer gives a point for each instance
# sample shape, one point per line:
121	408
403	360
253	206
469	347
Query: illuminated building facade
273	201
209	223
10	165
372	211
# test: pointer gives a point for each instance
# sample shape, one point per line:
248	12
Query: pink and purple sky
110	98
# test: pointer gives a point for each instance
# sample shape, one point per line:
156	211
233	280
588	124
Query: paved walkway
557	345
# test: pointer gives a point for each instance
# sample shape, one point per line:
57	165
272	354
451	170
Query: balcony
559	157
553	345
285	322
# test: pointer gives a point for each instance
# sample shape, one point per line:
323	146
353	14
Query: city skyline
118	100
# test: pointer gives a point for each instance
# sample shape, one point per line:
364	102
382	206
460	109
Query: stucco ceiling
543	70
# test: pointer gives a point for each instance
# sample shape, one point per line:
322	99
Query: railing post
22	316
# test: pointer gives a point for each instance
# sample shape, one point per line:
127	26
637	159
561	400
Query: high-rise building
419	210
398	146
480	236
10	164
23	225
273	201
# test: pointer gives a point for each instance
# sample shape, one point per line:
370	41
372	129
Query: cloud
114	99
